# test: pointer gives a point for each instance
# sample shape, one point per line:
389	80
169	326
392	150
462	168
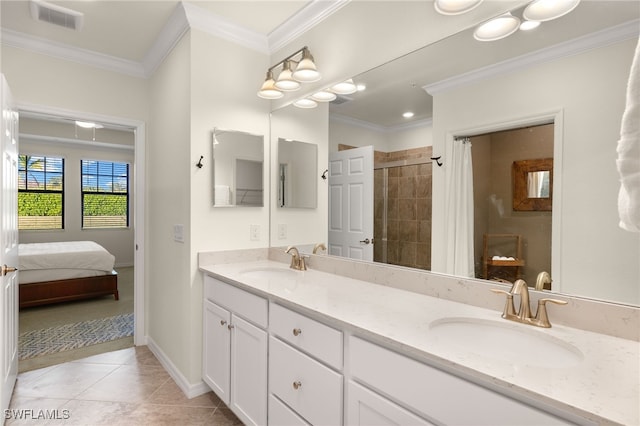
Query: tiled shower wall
402	200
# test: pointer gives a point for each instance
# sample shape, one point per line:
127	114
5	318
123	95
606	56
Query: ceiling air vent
57	15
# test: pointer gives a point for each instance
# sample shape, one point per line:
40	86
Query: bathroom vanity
311	347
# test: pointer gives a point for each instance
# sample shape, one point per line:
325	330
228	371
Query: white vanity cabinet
305	359
235	349
435	395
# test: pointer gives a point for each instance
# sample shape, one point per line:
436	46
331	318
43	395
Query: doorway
133	272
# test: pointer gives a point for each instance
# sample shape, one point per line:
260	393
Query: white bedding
69	258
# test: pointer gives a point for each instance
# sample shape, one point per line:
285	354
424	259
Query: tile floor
125	387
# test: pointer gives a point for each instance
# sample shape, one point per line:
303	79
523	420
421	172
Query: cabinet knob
230	326
223	322
297	385
297	331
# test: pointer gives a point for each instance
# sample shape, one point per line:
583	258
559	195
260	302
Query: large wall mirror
547	105
238	168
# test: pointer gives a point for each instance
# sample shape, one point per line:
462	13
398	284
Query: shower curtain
460	260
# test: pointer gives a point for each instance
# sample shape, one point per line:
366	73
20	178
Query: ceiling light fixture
529	25
546	10
88	125
497	28
408	114
294	69
305	103
455	7
323	96
345	88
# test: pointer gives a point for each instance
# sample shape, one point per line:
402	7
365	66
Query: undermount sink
271	272
515	344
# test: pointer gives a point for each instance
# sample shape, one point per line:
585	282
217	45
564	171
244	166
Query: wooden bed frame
48	292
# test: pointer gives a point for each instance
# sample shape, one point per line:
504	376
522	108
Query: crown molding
301	22
169	36
218	26
427	122
576	46
74	54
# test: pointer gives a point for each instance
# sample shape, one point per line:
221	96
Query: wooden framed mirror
532	184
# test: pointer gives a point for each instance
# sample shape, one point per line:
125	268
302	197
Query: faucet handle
302	265
509	307
542	318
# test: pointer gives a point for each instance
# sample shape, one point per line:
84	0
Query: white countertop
603	387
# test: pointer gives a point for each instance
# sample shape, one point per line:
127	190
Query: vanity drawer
249	306
439	396
313	337
308	387
281	415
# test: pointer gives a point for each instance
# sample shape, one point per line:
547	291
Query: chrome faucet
523	314
297	261
319	246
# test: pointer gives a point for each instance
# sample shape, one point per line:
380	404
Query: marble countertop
601	384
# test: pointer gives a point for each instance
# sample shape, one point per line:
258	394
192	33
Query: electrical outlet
282	231
178	233
254	232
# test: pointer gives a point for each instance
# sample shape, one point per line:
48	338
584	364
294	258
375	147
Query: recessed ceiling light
497	28
408	114
546	10
361	87
529	25
455	7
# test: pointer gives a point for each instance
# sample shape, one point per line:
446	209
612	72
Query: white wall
589	89
384	140
119	242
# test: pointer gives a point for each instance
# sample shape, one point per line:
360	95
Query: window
40	192
105	194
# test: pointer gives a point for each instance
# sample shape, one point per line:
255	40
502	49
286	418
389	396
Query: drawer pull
223	322
297	331
230	326
297	385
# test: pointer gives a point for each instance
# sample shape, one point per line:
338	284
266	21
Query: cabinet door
216	356
367	408
248	372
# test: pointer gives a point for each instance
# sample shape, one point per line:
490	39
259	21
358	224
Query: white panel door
8	246
351	203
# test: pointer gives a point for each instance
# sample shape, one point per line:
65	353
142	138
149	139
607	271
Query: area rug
72	336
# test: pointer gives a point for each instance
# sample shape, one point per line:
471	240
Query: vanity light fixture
497	28
455	7
292	73
324	96
529	25
546	10
345	88
305	103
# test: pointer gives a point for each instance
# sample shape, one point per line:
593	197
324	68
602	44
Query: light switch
178	233
282	231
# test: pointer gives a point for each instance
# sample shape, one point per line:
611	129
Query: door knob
365	241
7	269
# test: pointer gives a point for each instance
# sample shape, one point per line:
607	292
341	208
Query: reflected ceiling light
88	125
269	89
323	96
361	87
345	88
455	7
408	114
529	25
306	71
546	10
305	103
285	81
497	28
294	69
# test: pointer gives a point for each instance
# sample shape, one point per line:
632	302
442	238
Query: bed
65	271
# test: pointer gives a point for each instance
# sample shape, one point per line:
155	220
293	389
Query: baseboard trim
190	390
